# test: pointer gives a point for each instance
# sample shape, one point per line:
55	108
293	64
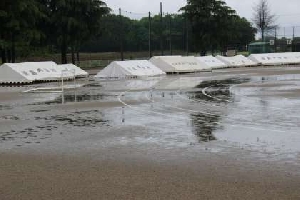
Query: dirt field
226	134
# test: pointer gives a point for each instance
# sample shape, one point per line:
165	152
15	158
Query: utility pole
263	33
275	41
293	38
121	35
187	36
170	33
150	37
161	31
293	32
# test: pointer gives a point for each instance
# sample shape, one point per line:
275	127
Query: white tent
129	69
28	72
177	64
245	61
46	71
237	61
294	57
73	69
17	73
212	62
276	58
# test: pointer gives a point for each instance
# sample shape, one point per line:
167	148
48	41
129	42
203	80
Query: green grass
244	53
96	60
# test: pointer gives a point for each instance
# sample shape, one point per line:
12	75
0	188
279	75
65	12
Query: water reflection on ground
171	112
204	126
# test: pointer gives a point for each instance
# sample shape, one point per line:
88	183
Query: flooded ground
250	114
246	108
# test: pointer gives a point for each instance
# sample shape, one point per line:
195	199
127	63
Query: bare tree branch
263	18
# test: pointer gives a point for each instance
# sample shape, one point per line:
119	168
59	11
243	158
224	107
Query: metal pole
75	87
161	30
170	33
62	88
187	36
62	83
293	32
293	39
150	37
121	35
275	42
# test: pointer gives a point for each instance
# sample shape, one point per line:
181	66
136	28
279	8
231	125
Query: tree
209	21
242	33
263	18
71	22
84	22
18	20
136	34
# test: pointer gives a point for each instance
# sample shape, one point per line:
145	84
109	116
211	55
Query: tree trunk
76	51
64	51
77	55
73	55
13	48
3	55
224	51
8	53
2	49
203	53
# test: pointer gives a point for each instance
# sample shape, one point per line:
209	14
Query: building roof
258	43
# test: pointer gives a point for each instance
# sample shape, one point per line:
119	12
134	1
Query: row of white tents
160	65
28	72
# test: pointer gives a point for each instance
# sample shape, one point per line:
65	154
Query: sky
287	12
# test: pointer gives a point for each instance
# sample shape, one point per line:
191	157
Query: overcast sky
288	11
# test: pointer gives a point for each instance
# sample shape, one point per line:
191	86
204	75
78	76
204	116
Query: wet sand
66	177
9	96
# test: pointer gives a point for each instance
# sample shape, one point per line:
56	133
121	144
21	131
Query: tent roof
130	68
236	61
11	73
258	43
77	71
276	58
211	61
179	64
31	71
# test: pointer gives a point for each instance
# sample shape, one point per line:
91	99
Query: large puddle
252	112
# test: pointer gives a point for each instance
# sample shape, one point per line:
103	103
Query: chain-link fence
283	39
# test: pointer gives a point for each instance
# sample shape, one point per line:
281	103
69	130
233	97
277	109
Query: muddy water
250	110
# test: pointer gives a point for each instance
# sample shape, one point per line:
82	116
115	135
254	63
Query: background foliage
40	27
